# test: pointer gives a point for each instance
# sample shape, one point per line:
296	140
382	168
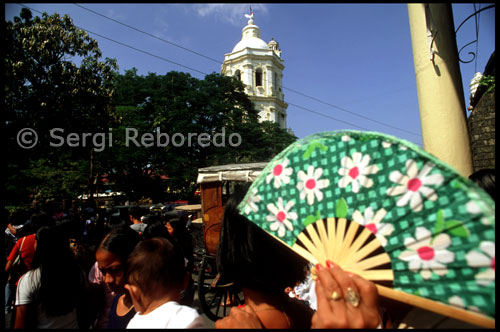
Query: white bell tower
260	67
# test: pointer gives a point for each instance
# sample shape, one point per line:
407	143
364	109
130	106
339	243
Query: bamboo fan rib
334	239
382	208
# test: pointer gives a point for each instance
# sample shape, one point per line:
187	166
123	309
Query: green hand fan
385	209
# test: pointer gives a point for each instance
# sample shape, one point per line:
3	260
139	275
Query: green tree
46	89
178	103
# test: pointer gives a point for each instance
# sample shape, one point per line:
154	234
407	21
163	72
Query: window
237	74
258	77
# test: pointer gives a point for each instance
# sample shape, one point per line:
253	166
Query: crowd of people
89	269
69	269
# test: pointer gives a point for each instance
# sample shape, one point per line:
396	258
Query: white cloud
114	15
160	28
230	13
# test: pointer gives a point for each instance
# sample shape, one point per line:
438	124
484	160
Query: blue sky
355	58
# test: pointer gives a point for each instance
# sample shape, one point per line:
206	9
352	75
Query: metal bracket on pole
431	30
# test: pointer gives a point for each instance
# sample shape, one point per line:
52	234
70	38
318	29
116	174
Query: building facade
481	122
260	67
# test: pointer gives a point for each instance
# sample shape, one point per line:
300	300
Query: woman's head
156	228
112	256
155	269
485	178
61	277
251	257
39	220
52	246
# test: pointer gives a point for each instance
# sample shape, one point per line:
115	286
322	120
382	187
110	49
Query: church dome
250	37
251	42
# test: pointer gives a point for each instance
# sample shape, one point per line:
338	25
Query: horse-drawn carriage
217	184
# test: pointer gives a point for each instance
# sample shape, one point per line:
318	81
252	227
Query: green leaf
308	152
318	215
312	146
309	220
341	208
457	228
322	147
439	222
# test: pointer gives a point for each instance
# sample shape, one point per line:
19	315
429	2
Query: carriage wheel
212	293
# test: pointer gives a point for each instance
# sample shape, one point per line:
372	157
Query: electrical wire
192	69
212	59
148	34
364	117
327	116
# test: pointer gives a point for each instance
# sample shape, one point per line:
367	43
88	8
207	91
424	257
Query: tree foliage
55	78
178	104
46	89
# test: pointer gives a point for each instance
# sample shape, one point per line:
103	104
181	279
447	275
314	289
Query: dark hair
121	241
117	221
135	212
485	178
62	280
156	229
170	215
155	219
18	217
184	239
39	220
251	257
156	266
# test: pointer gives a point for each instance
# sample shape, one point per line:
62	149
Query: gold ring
335	296
352	297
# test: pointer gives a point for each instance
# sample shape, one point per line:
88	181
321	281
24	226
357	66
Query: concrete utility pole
439	85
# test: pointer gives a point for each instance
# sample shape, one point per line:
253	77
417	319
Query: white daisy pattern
355	170
387	145
281	216
427	255
476	205
485	258
251	200
310	184
280	173
414	184
373	223
459	302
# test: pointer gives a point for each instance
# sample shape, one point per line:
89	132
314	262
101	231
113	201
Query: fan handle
437	307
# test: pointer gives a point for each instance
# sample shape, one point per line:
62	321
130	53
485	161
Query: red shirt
27	251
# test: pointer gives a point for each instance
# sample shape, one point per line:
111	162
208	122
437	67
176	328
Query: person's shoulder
30	275
29	238
180	310
299	308
138	227
184	316
299	312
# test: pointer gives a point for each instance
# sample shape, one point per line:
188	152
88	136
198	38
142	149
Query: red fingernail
319	266
242	306
239	306
329	263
